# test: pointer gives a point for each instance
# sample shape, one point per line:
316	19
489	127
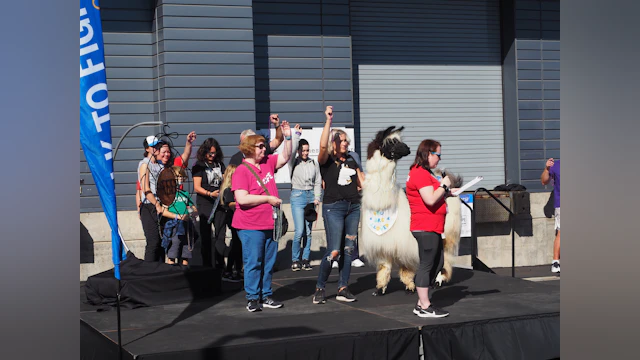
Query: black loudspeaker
521	202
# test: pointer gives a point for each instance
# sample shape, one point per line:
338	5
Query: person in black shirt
207	179
340	207
237	158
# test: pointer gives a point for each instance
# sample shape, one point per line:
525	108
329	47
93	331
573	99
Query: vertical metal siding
129	63
435	68
538	80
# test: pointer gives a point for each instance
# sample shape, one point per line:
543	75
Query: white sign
313	137
466	215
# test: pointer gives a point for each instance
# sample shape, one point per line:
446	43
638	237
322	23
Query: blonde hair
226	181
336	133
179	171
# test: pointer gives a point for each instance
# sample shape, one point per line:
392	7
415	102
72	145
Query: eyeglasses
211	153
436	154
261	146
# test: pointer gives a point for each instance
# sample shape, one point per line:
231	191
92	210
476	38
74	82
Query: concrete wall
534	240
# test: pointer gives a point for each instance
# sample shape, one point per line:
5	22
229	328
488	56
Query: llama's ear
388	132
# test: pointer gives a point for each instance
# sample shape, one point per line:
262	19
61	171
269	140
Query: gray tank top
154	171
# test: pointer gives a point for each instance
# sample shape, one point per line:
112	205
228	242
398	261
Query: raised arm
295	139
283	157
277	140
323	155
545	178
187	149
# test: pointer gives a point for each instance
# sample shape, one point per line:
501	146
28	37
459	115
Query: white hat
151	141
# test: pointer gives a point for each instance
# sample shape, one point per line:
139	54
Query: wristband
298	133
287	137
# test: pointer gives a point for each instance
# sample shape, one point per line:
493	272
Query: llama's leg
382	278
407	276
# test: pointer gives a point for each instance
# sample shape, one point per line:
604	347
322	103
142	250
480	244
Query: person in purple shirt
552	172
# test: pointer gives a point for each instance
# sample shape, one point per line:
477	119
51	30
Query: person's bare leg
556	247
423	297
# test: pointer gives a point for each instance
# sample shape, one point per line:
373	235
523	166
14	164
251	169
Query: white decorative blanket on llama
380	221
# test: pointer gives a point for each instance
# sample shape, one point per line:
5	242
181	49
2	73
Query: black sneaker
270	303
253	305
430	312
296	266
227	276
345	295
306	265
318	297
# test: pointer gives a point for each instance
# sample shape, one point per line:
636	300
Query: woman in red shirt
426	195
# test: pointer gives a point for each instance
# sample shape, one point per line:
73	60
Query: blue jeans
341	221
300	199
259	255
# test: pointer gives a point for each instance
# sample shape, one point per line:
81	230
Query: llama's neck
380	190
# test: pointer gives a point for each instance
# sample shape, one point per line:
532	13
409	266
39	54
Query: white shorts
557	216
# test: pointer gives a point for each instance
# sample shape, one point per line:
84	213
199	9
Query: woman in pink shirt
254	215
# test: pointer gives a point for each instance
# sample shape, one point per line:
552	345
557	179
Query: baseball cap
150	141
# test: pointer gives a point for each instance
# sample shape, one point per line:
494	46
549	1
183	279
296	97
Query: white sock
555	261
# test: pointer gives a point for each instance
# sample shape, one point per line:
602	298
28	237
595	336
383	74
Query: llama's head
390	144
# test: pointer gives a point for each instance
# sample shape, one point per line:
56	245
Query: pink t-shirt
258	217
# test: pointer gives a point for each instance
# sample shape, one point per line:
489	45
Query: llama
385	236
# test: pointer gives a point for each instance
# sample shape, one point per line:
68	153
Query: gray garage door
433	67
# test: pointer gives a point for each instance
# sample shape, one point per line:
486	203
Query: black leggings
209	252
153	250
431	257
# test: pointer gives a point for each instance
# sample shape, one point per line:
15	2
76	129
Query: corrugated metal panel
129	64
302	61
538	80
435	68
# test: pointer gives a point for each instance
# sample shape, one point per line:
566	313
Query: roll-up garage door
435	68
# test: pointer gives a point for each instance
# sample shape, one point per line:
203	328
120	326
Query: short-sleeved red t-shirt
423	217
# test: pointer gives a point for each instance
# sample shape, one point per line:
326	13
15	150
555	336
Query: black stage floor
491	317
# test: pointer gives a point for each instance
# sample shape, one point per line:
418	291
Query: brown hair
248	144
226	181
422	154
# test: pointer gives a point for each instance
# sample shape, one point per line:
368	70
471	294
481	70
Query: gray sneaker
270	303
306	265
345	295
253	305
318	297
296	266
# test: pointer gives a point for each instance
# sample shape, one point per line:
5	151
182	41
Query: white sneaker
555	267
357	263
334	265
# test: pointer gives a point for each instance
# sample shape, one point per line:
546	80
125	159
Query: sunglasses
436	154
261	146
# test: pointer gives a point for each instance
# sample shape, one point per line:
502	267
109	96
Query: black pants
234	261
216	252
153	250
430	249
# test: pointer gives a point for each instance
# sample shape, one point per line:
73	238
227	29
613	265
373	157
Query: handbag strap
257	177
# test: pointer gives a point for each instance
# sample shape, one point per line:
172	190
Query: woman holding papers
428	210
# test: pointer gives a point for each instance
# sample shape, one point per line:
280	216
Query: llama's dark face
389	143
394	149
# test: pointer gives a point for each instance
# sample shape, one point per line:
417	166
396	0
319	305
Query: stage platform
491	317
